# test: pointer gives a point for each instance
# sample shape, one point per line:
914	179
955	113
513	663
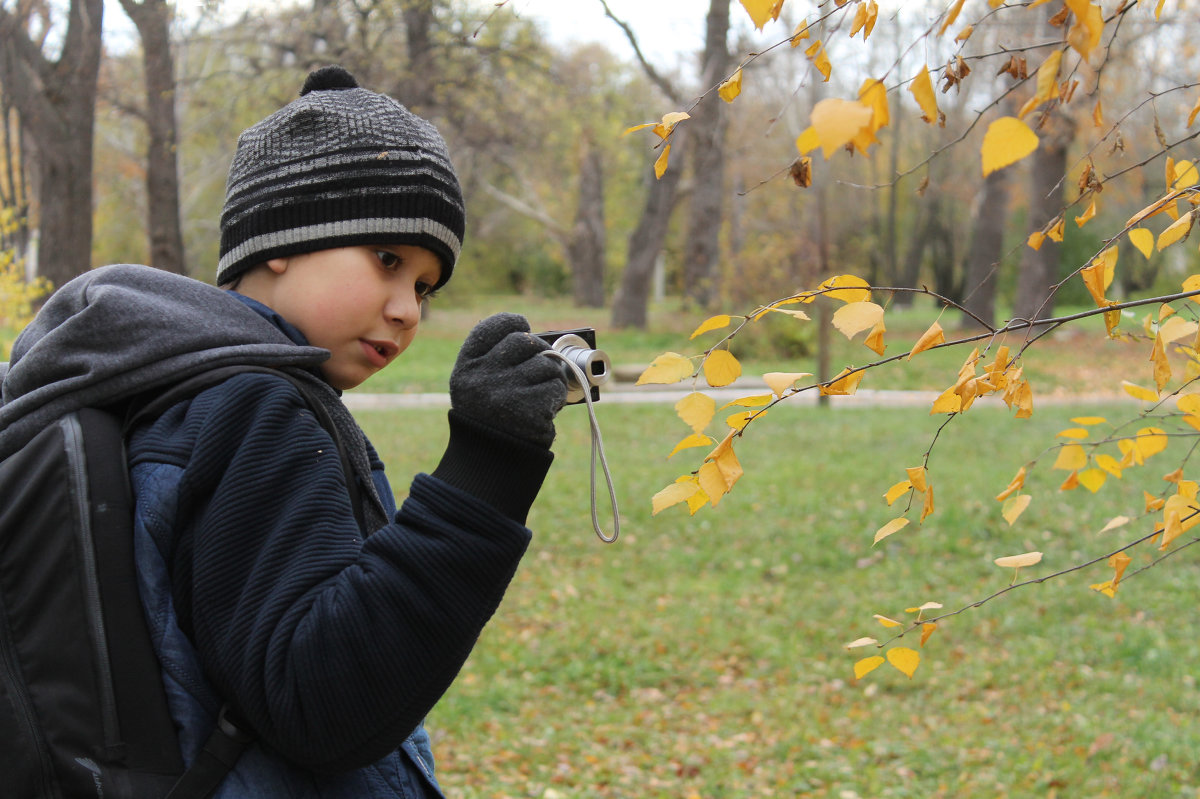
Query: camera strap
597	449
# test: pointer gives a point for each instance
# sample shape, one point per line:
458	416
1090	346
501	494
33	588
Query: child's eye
425	291
388	259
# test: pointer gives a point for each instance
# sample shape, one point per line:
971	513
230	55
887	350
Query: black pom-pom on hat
326	78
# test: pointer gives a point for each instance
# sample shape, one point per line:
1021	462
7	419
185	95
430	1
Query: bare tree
153	21
55	99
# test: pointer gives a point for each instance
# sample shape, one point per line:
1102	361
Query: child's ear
278	265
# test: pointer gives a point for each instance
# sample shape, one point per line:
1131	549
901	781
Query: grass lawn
703	656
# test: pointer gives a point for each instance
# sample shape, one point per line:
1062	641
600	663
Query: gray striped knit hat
338	167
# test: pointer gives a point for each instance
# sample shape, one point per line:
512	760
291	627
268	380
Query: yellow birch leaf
1176	231
1088	420
808	141
927	630
904	659
1153	209
837	121
924	607
1109	464
873	94
1071	483
672	495
820	59
670	367
1006	141
1192	283
1087	215
898	490
761	11
1017	483
660	163
1130	452
1023	399
721	368
1176	328
844	385
732	87
1188	403
1107	588
1172	530
1047	83
1150	441
1019	561
1185	175
867	665
697	501
1092	479
696	410
1162	369
930	338
727	461
710	324
922	89
1055	233
951	15
712	482
694	440
1114	523
1192	115
1153	503
1192	420
1014	506
874	339
916	476
738	421
756	401
781	382
1139	393
948	401
927	508
886	622
1071	457
865	641
891	527
800	33
1175	476
1072	432
1119	562
855	317
1036	239
1097	115
847	288
1084	36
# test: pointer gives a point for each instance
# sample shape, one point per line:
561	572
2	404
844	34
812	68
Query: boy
327	640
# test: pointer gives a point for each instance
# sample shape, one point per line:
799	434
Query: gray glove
502	380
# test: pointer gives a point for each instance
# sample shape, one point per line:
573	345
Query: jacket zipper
73	433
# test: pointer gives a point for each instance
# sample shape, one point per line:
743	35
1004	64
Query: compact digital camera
579	347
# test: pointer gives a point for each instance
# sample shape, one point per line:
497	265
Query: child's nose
404	308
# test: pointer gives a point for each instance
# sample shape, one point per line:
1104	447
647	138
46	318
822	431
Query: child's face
361	303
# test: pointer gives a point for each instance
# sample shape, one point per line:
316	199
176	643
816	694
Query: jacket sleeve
331	648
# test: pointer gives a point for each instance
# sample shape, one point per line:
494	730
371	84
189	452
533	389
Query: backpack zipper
73	434
18	692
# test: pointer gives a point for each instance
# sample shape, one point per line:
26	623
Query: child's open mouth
379	353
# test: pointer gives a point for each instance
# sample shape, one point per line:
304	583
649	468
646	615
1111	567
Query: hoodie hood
120	330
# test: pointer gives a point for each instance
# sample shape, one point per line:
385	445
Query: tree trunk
645	244
1039	269
707	126
417	91
585	243
56	102
153	21
989	217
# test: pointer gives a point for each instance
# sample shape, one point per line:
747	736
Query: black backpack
82	708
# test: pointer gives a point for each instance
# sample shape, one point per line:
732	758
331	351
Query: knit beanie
340	166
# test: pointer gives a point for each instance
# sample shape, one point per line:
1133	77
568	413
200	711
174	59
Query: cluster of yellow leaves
662	129
17	297
903	658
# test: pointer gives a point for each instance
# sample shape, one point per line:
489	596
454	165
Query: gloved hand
501	379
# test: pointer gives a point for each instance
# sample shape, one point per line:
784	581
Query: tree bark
701	254
153	21
56	102
990	216
645	243
1039	269
585	243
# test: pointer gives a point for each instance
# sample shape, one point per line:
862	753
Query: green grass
703	656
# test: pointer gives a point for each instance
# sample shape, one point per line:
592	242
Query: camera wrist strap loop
597	448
